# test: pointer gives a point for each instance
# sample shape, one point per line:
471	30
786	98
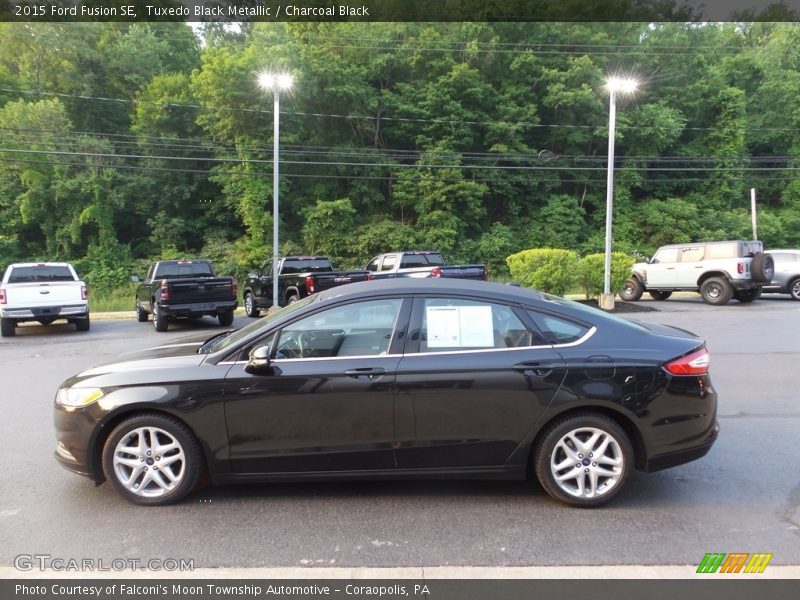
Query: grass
121	298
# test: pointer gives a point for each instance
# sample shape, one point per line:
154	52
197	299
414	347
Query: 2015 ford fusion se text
403	379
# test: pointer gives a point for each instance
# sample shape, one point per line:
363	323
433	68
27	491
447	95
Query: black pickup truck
298	277
422	264
184	289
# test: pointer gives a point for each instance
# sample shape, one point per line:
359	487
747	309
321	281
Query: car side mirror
258	362
135	279
653	261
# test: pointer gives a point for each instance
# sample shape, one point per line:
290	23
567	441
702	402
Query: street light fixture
276	83
614	85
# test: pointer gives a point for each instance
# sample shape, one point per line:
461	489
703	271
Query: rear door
473	382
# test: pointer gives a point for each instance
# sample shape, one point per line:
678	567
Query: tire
716	291
762	268
226	318
657	295
131	459
160	320
8	327
141	314
292	299
746	296
794	288
250	307
83	324
561	450
632	290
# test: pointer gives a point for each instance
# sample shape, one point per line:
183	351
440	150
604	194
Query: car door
473	382
328	402
661	269
386	270
691	265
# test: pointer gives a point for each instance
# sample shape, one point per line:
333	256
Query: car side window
373	264
388	262
356	329
666	255
557	330
452	324
693	254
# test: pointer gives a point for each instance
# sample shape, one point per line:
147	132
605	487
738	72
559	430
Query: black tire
155	429
226	318
762	268
83	324
292	299
657	295
746	296
632	290
716	291
141	314
794	288
160	320
551	449
8	327
250	306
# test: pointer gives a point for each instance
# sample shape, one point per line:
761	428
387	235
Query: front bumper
75	436
198	309
40	312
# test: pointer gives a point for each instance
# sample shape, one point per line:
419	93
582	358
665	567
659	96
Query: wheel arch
709	274
291	291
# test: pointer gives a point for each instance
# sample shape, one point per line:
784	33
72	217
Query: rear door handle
368	372
533	369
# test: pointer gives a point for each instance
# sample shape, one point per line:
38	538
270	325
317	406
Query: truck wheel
632	290
141	315
292	299
160	320
762	268
226	318
716	291
745	296
8	327
82	324
250	308
656	295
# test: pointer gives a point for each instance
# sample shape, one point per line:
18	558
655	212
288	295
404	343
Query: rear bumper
40	312
198	309
679	457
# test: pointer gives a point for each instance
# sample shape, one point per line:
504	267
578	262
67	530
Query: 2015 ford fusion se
404	379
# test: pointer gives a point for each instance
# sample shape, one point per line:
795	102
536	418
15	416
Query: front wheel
716	291
226	318
583	460
632	290
152	459
250	308
141	314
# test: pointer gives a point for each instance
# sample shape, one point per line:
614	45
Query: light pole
615	85
276	83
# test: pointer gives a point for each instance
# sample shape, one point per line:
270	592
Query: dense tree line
127	141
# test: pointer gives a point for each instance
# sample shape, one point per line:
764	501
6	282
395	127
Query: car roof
410	285
41	264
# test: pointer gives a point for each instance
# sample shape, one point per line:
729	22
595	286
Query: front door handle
370	373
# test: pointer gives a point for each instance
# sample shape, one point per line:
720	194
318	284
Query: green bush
591	272
547	269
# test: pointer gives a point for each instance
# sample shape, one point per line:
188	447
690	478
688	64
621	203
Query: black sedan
403	379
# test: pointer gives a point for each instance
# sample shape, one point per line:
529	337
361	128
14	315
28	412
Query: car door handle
533	369
368	372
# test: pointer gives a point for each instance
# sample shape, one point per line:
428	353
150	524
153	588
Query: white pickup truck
42	292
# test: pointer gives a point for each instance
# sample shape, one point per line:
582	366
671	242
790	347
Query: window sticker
459	326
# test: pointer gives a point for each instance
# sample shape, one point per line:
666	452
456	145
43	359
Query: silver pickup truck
42	292
421	264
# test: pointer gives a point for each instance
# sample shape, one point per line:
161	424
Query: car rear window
412	261
306	266
184	269
40	273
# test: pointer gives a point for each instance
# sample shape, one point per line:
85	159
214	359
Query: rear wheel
794	289
747	295
160	320
152	459
8	327
82	324
250	308
226	318
632	290
583	460
716	291
292	299
657	295
141	314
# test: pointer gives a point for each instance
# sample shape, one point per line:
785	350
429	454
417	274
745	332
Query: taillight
164	292
436	272
234	288
84	293
310	284
3	299
370	277
740	267
695	363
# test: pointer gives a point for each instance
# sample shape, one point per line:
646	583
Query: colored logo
736	562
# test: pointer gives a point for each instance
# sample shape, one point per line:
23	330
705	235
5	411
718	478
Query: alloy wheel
149	462
587	463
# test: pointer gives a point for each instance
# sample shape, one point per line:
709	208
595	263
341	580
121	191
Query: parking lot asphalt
744	496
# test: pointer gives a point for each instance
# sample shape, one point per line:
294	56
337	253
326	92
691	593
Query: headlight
78	396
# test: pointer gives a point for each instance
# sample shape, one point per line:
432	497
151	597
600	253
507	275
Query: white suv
719	271
42	292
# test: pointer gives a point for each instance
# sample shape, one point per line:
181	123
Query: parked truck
42	292
298	277
424	263
175	289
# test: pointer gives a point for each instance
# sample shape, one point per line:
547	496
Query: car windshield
263	323
590	313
